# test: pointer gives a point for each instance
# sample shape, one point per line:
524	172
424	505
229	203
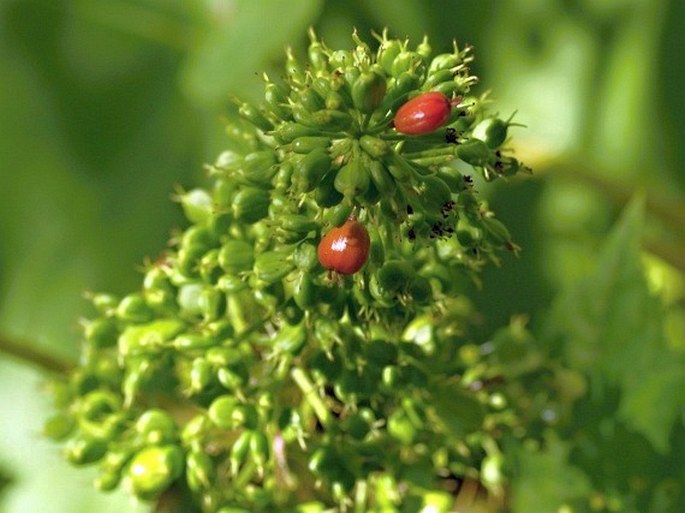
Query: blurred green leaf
545	480
612	328
240	39
5	481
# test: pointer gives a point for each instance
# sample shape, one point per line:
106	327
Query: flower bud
254	116
200	470
401	428
259	448
259	167
276	98
156	427
424	48
293	69
443	61
148	338
200	375
272	266
368	91
388	50
154	469
375	147
239	451
304	256
312	168
435	195
101	332
236	256
326	120
304	145
304	291
340	59
84	450
317	54
325	194
395	275
474	152
220	412
251	204
405	61
352	179
337	215
197	205
437	78
59	426
289	131
404	84
381	178
134	309
492	131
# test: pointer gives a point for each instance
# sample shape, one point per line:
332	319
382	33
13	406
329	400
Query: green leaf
459	412
233	49
610	327
545	480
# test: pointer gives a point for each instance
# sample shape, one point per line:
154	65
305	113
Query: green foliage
545	480
105	105
5	482
610	327
345	372
616	399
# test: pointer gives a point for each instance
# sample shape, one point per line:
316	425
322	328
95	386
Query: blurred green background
105	105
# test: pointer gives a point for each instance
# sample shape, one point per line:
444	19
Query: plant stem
29	354
662	206
311	395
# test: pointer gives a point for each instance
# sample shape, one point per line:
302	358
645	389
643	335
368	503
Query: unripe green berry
251	204
395	275
312	168
101	332
474	152
84	450
352	179
272	266
59	426
387	52
154	469
133	308
197	204
254	116
239	451
156	427
368	91
200	471
236	256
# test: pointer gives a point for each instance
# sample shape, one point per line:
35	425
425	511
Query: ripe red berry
423	114
345	249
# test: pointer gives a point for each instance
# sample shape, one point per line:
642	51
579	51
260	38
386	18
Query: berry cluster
300	346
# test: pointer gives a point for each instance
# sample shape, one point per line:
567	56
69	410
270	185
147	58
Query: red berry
345	249
423	114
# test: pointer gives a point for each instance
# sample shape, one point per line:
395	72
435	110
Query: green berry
154	469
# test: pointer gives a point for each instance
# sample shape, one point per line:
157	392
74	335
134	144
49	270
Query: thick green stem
311	395
666	208
29	354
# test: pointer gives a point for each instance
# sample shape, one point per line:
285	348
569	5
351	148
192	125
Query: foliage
104	105
248	374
